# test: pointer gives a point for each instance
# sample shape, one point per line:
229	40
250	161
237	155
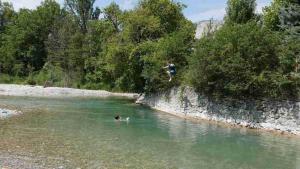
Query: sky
196	10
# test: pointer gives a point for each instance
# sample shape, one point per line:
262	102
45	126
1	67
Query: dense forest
80	45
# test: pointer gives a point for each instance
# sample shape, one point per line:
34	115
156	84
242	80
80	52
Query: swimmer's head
118	117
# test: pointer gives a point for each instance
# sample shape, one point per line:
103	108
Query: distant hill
203	26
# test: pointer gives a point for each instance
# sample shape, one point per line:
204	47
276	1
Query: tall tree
113	14
160	33
83	11
272	12
168	12
289	19
240	11
65	51
23	41
6	14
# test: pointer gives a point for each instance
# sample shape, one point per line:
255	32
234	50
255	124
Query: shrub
239	60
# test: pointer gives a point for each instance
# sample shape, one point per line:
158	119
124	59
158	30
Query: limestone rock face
204	26
263	114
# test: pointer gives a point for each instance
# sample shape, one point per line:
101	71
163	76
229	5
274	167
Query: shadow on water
81	133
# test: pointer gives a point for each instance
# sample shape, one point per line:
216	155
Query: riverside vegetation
79	45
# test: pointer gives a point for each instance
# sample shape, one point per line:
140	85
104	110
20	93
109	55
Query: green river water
81	133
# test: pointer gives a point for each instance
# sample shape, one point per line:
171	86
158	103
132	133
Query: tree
289	17
83	11
240	60
6	14
97	76
23	41
272	12
113	14
240	11
168	12
66	51
136	45
160	33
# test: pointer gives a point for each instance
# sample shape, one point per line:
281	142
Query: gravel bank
40	91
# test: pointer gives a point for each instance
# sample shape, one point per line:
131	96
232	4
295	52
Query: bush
30	80
7	79
240	60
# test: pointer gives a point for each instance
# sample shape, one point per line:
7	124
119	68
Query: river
81	133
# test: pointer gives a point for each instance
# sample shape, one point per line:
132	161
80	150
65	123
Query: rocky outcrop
264	114
203	27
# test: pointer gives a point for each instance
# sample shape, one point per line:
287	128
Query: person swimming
119	118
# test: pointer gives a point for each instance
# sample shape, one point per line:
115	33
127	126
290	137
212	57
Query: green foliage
23	49
138	43
240	11
83	11
174	48
272	13
127	50
160	35
8	79
65	50
6	14
167	12
113	14
124	51
240	60
290	18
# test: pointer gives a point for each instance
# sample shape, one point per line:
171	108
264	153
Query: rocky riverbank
40	91
283	116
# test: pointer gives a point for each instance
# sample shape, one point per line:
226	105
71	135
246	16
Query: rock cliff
263	114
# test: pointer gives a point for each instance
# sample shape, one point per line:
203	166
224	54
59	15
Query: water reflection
255	148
